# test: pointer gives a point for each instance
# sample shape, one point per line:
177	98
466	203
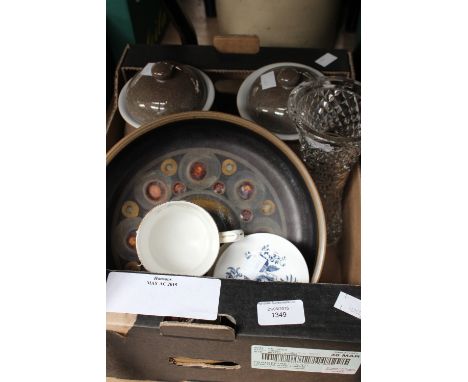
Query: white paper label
268	80
280	312
308	360
348	304
160	295
326	59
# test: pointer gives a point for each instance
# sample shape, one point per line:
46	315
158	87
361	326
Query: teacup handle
231	236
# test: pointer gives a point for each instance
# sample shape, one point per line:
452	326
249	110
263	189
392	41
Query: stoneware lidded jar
164	88
263	96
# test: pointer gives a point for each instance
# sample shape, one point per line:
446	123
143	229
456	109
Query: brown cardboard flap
351	240
115	131
331	272
196	330
120	322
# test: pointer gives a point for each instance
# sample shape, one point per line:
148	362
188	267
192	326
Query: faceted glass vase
327	115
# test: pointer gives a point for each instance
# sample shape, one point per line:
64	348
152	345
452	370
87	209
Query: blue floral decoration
273	263
234	273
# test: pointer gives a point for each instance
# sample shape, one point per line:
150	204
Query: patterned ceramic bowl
262	257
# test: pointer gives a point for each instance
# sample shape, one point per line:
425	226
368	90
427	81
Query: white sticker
160	295
268	80
280	312
308	360
146	71
348	304
326	59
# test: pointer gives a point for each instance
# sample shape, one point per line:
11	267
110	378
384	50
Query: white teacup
262	257
180	237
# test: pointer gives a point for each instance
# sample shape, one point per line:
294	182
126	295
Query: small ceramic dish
262	257
164	88
263	96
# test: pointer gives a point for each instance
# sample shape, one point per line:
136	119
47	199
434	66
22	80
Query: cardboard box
162	348
150	347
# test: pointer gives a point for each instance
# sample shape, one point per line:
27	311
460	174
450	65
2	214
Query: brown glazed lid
268	97
165	88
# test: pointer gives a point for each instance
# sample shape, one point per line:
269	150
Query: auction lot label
288	312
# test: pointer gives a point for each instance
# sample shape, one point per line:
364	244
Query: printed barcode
293	358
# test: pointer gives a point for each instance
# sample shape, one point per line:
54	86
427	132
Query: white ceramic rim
123	109
211	90
247	84
132	122
146	225
292	253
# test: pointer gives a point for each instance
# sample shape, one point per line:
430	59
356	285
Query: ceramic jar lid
263	96
164	88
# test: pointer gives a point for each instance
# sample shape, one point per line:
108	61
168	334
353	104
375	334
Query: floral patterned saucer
262	257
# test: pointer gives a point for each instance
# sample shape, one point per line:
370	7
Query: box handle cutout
237	44
203	363
221	329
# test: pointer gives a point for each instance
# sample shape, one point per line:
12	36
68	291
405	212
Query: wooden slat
237	44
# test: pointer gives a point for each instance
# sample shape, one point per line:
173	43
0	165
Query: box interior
342	263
